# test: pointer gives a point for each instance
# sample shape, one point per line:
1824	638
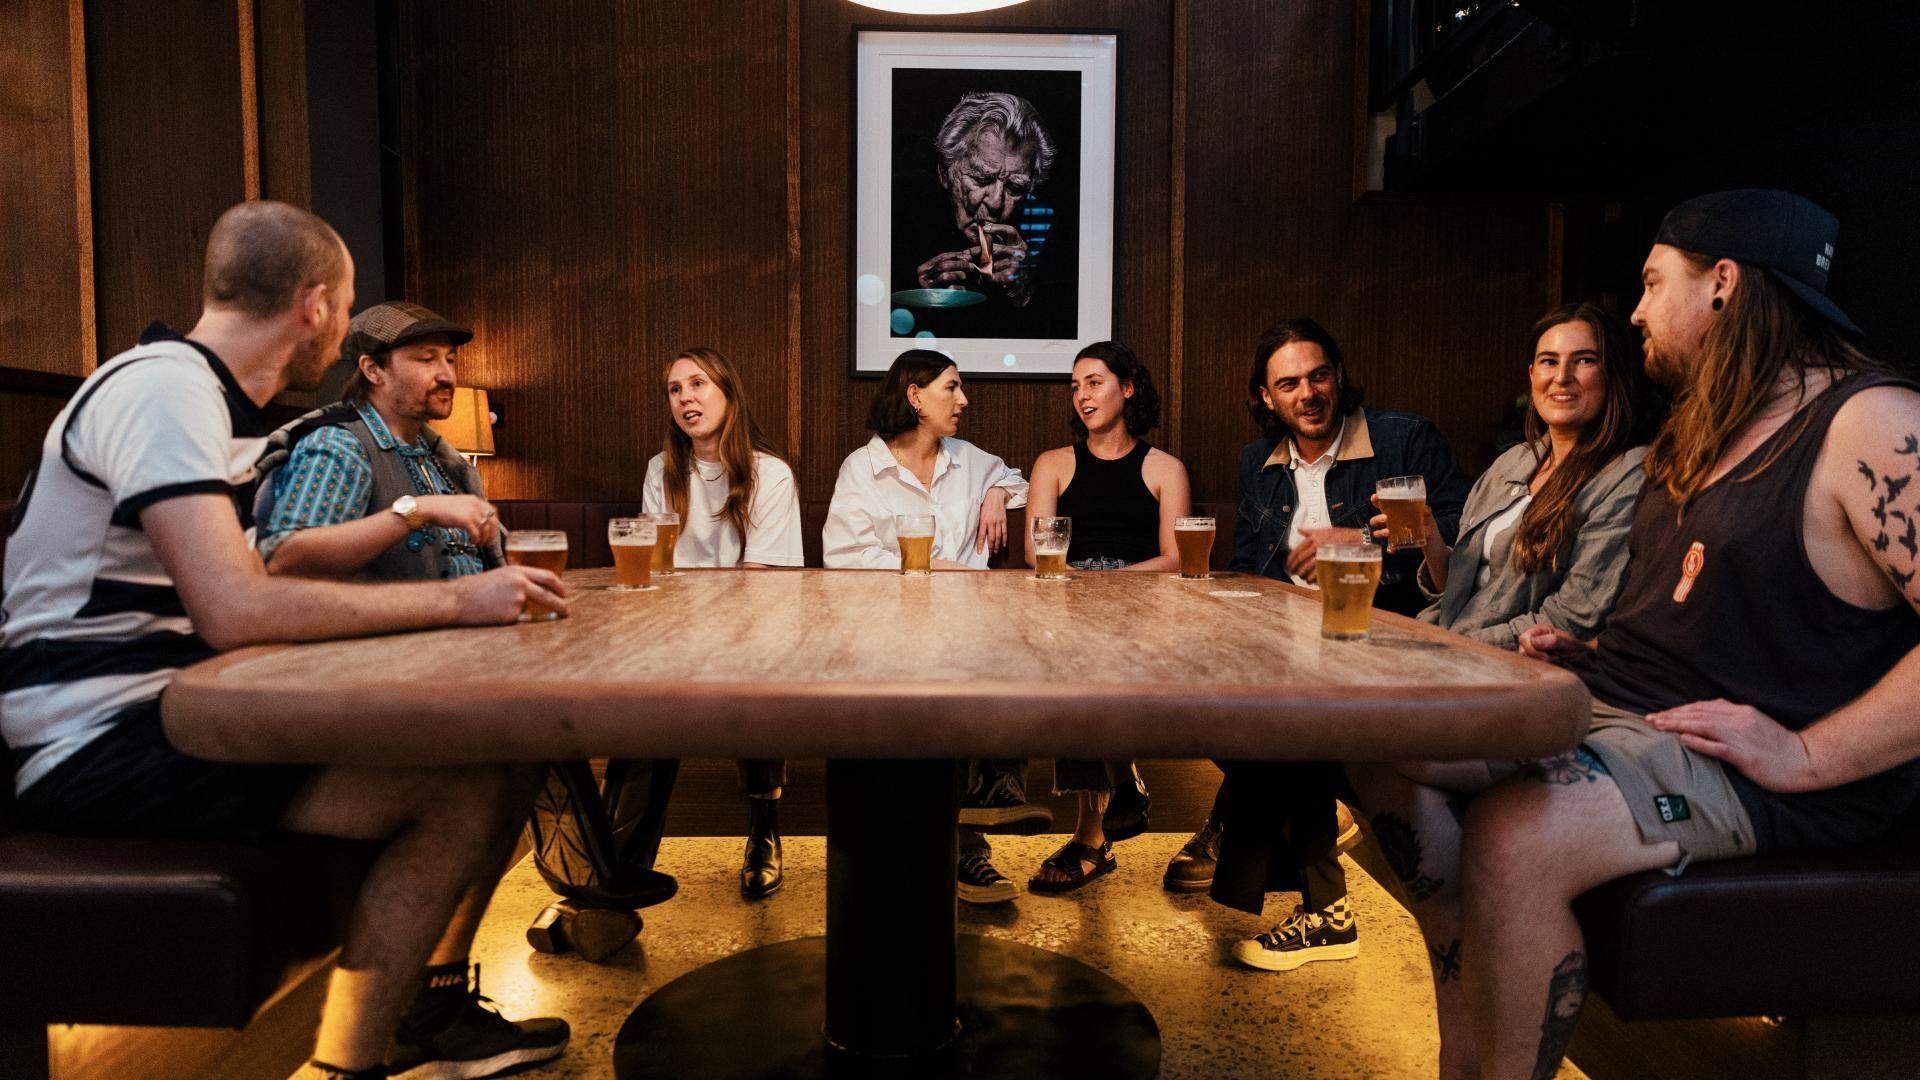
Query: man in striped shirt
128	559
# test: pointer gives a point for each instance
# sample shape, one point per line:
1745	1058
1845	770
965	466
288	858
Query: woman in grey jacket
1543	537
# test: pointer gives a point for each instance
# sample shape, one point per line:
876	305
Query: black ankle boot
760	875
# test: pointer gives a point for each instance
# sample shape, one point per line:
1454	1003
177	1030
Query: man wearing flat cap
1753	689
366	489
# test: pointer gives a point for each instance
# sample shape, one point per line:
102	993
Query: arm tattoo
1866	470
1401	845
1566	991
1912	446
1576	767
1446	962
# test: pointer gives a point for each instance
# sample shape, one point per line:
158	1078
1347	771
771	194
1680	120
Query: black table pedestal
890	991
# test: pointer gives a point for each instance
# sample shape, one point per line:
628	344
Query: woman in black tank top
1122	496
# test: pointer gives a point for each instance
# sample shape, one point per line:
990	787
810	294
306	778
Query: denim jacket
1377	444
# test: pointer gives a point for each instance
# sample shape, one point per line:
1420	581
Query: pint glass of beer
543	549
1194	537
1404	500
915	532
1347	575
667	533
1051	538
632	540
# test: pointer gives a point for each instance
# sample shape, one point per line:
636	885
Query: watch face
404	504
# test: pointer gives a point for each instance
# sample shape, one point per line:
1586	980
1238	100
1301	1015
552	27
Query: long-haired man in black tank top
1753	688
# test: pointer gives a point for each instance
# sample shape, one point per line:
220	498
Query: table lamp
469	427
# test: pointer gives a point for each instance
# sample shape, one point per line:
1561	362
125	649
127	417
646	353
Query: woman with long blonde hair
738	506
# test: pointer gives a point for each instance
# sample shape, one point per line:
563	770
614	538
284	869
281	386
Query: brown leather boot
1191	870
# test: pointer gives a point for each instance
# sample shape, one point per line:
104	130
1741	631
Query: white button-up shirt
873	487
1310	495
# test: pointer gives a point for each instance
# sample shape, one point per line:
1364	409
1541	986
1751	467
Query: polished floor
1368	1017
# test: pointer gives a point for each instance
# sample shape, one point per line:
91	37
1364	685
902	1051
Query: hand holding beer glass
1403	499
915	533
1051	538
542	549
667	534
633	541
1347	574
1194	537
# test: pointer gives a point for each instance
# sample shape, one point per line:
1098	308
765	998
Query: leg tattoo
1565	993
1446	962
1401	845
1577	767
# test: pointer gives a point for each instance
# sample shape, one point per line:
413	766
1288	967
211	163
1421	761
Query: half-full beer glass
1404	500
542	549
1347	575
915	532
632	540
667	534
1194	537
1051	538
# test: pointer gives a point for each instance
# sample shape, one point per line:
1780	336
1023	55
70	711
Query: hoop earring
1718	303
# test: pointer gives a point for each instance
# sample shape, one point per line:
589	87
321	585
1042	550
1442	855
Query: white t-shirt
1497	532
1310	497
92	623
707	538
873	487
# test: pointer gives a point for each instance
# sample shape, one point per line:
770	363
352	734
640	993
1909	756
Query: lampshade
470	426
936	7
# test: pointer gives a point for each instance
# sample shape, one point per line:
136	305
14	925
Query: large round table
895	680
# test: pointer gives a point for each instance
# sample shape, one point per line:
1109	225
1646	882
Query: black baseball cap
392	324
1790	237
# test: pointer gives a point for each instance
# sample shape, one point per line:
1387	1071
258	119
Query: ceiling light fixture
936	7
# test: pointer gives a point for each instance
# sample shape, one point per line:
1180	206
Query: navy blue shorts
131	782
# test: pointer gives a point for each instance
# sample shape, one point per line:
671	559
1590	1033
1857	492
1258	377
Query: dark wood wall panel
46	286
169	152
1430	301
593	188
1015	420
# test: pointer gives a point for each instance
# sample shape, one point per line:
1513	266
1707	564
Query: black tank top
1725	604
1114	514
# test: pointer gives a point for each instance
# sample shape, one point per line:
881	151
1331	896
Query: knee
1506	848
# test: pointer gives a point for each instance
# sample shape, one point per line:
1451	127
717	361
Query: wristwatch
408	508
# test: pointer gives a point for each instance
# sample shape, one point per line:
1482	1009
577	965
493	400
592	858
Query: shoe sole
1254	955
989	894
1043	887
1026	820
1186	885
506	1064
746	894
1348	840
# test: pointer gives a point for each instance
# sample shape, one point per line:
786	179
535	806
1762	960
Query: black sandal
1124	821
1068	861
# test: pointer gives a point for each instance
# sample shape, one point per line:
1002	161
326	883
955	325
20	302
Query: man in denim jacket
1314	467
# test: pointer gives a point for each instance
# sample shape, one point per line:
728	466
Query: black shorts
131	782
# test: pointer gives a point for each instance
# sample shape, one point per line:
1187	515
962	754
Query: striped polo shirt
90	622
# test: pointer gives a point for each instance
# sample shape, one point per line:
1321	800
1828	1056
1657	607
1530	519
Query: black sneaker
1001	806
1304	937
979	883
477	1042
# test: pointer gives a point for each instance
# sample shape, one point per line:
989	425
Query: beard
1664	369
310	362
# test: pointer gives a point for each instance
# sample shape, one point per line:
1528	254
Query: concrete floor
1369	1017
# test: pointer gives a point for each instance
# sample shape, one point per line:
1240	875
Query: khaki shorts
1673	793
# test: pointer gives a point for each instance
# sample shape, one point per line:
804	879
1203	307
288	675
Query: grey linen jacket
1575	598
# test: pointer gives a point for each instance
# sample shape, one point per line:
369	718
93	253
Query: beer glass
667	534
1347	575
1051	538
543	549
632	540
1404	500
915	533
1194	537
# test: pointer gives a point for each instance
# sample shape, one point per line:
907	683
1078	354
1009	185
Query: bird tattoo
1912	447
1895	487
1866	470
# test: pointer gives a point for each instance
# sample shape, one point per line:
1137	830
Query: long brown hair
1543	529
740	437
1764	336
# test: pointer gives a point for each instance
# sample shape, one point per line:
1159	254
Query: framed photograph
983	205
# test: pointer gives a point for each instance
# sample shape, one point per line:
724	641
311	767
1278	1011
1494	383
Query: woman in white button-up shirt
914	465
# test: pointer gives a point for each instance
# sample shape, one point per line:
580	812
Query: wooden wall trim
1177	232
82	182
795	413
249	99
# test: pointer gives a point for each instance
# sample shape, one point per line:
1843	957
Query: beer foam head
1348	553
1402	487
636	539
1193	524
1049	547
537	541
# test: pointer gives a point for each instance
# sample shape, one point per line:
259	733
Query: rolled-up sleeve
1001	475
326	481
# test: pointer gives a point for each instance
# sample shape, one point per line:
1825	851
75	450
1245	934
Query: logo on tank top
1690	567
